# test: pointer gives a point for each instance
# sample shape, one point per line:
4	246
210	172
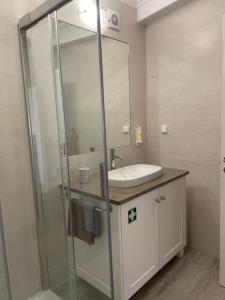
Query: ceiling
131	2
147	8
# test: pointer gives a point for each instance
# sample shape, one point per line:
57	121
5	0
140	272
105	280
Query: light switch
126	129
164	129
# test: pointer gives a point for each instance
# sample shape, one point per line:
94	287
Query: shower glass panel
82	94
73	210
50	161
4	279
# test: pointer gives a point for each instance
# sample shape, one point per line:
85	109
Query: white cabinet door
172	219
140	241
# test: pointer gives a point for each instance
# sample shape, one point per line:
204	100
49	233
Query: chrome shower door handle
103	180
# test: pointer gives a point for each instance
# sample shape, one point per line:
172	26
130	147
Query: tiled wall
184	60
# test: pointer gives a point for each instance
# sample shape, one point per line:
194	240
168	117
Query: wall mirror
79	61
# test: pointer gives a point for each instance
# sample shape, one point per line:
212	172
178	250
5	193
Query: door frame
222	174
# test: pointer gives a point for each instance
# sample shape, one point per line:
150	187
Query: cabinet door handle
157	200
163	198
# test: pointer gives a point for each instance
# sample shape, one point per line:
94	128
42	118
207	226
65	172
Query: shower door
49	158
77	47
73	217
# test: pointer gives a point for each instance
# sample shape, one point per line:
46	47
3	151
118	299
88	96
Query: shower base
46	295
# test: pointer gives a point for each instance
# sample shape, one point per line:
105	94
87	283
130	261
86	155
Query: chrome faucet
113	158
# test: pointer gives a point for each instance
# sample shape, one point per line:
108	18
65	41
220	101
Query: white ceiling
131	2
147	8
137	3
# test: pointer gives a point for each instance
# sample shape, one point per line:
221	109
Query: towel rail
96	208
103	210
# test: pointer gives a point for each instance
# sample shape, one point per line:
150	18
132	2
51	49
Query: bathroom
112	112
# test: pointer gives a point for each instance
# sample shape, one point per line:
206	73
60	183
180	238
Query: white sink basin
133	175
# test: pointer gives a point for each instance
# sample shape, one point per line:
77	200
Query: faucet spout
113	158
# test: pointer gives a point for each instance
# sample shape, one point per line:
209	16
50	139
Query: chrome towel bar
103	210
98	208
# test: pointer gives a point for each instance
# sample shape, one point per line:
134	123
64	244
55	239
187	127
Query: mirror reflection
79	62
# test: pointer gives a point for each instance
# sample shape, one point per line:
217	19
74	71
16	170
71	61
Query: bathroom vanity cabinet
146	233
148	224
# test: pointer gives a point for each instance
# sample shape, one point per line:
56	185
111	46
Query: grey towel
92	218
84	220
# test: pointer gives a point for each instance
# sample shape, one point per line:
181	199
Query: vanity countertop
119	196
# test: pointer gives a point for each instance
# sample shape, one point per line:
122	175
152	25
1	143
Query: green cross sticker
132	215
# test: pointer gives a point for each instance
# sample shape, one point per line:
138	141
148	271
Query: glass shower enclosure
73	226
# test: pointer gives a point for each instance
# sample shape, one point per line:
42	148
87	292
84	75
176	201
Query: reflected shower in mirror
79	62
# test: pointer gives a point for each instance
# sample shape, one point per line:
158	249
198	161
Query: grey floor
193	277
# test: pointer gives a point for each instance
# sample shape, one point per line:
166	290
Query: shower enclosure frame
25	23
5	261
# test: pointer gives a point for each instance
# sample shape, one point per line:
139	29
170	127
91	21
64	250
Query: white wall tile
184	61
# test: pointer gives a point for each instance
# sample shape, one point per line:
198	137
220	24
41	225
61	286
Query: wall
184	61
16	193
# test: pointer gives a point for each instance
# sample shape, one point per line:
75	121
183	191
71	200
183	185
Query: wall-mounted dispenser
139	138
